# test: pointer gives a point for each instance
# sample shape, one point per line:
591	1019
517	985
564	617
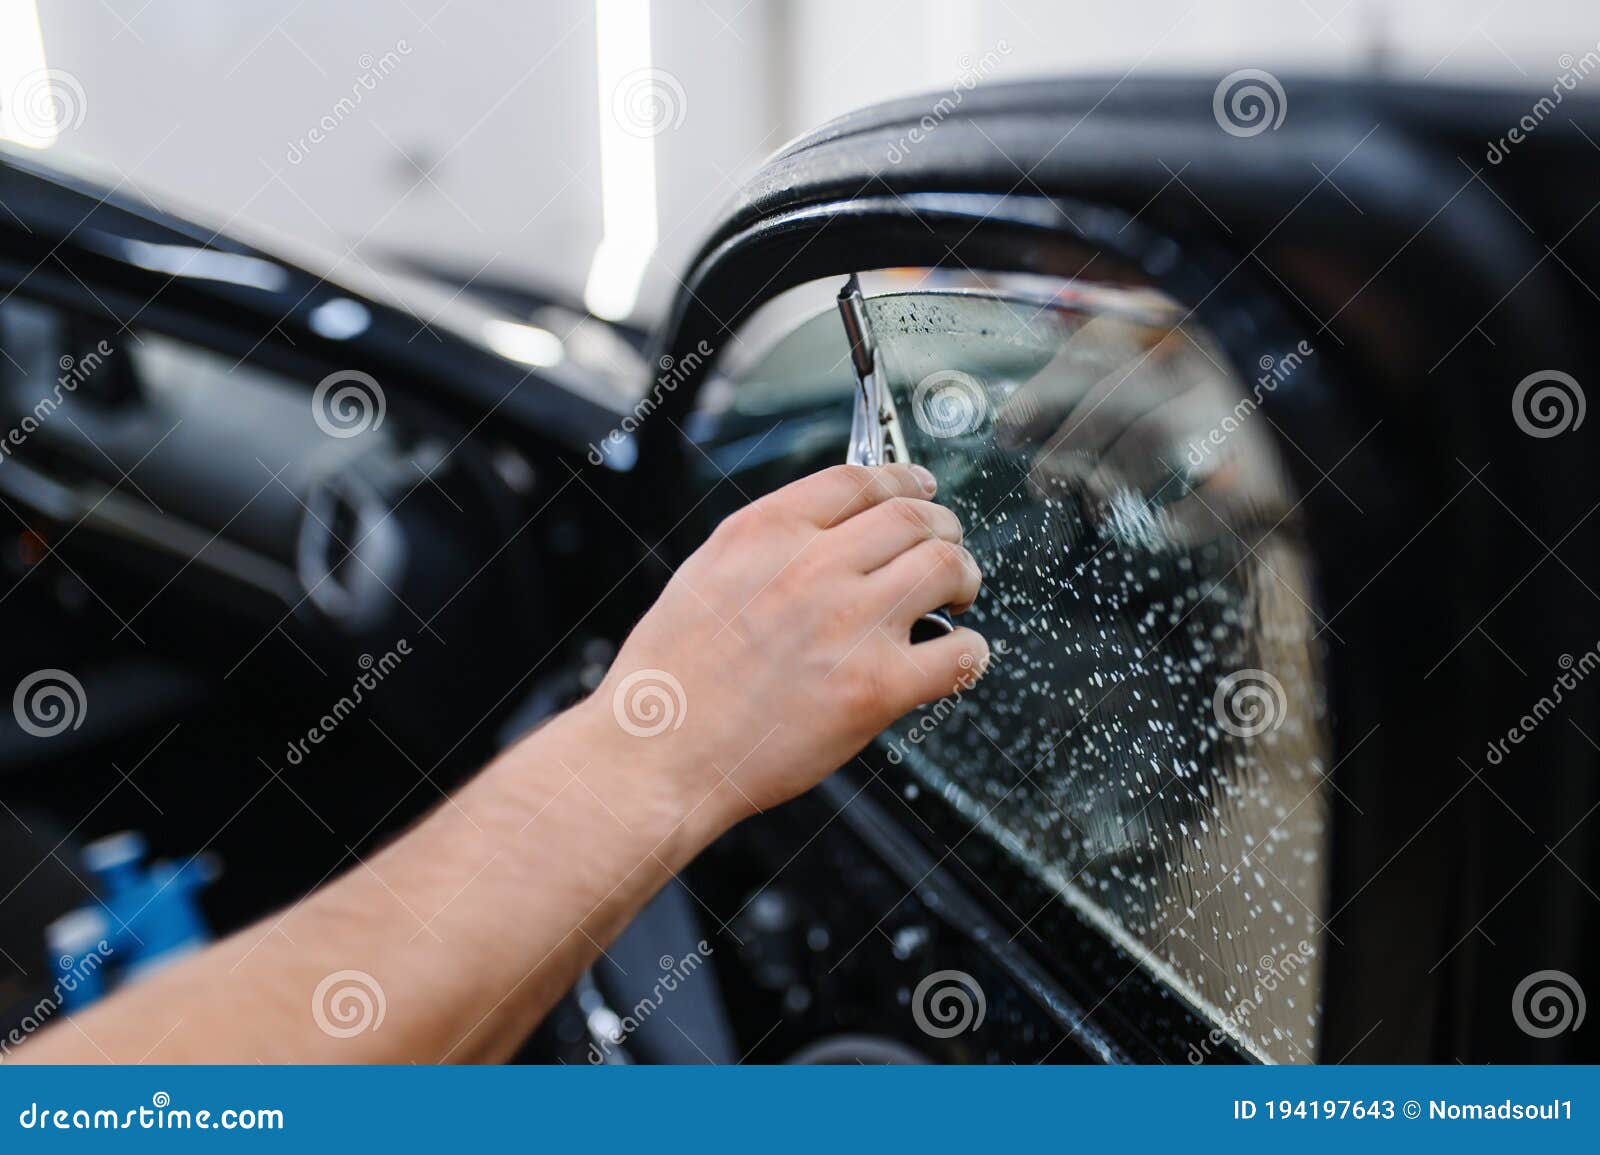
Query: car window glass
1152	741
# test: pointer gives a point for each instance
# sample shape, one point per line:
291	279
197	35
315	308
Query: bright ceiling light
34	100
635	103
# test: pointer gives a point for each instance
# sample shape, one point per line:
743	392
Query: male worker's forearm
469	927
775	652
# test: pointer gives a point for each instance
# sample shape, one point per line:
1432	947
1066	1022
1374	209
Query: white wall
496	100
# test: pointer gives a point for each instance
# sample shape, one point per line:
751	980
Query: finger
1117	400
1150	453
884	532
1059	387
835	495
1132	390
948	665
925	577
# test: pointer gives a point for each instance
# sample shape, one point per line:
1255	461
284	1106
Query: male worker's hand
782	645
773	655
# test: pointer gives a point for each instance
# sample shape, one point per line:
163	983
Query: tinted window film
1151	743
